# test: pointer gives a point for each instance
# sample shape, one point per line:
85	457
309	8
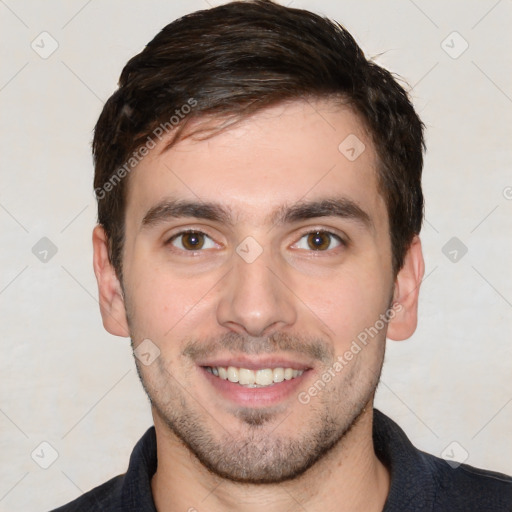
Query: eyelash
181	233
334	236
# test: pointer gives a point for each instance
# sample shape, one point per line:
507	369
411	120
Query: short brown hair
239	58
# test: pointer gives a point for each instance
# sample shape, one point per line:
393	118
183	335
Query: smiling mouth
262	378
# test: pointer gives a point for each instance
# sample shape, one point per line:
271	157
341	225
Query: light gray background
65	381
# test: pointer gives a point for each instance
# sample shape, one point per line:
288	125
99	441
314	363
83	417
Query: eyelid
343	239
169	239
182	230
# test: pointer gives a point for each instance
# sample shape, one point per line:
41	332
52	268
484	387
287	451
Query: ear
407	288
112	305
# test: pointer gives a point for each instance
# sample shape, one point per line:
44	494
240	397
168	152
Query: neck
349	478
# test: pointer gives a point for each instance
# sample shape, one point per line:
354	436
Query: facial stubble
259	452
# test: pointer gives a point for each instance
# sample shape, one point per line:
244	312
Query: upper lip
254	363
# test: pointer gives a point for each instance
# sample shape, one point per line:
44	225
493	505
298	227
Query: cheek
347	303
165	306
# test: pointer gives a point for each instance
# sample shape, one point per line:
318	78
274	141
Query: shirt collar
136	493
412	484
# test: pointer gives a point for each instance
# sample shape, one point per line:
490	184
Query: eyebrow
341	207
174	209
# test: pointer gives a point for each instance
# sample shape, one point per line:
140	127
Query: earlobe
407	287
111	298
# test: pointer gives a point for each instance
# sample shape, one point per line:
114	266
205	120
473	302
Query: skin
293	295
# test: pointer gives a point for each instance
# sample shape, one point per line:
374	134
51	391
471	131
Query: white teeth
232	374
246	376
278	374
251	378
264	377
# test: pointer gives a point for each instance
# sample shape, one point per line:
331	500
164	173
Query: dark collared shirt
419	482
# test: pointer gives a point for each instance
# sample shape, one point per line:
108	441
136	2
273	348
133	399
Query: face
252	262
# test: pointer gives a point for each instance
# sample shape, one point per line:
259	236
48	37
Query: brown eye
192	241
319	241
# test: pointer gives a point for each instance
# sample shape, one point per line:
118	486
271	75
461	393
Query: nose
254	300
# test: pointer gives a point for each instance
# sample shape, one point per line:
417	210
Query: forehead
280	156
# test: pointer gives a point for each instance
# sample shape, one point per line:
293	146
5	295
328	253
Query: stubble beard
261	455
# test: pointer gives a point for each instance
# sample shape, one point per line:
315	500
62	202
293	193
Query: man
259	205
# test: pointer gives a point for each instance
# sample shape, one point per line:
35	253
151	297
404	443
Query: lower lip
256	397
